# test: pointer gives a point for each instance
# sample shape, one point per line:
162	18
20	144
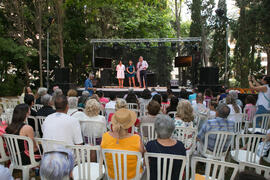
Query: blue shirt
218	124
192	97
88	84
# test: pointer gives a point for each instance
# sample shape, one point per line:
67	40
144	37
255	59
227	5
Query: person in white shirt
141	67
61	127
120	68
110	106
73	105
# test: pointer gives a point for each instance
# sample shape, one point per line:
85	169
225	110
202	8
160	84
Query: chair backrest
108	111
50	145
172	114
83	159
12	142
218	168
223	140
41	119
36	125
164	171
164	107
237	118
133	106
3	155
147	132
120	160
259	169
250	114
7	117
250	143
265	119
143	109
199	119
187	136
92	130
37	107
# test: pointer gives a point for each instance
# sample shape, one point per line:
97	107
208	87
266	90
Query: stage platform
120	92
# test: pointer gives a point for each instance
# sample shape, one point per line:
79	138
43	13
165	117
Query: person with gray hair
57	165
82	100
220	123
47	108
73	105
41	92
234	94
164	127
5	173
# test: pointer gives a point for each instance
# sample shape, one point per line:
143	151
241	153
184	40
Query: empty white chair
237	118
223	141
259	169
147	132
49	144
265	119
12	142
165	163
247	152
37	107
85	169
172	114
3	155
116	162
7	117
40	119
218	168
91	130
36	125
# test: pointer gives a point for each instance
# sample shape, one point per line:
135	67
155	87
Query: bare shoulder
27	128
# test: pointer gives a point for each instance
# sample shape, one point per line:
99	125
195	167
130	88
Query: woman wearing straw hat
120	139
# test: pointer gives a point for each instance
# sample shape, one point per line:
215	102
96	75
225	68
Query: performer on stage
131	73
142	66
89	85
120	68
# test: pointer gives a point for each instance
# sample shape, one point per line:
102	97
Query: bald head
223	110
61	103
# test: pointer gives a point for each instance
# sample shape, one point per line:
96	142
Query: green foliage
11	86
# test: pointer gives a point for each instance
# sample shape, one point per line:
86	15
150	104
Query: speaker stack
209	78
62	79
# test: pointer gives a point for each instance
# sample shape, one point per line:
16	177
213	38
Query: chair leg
11	168
26	174
187	167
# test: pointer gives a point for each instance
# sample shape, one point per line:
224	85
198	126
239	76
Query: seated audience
234	94
19	127
173	105
102	99
183	94
111	103
199	107
130	90
82	100
192	97
73	105
208	96
164	127
234	108
222	95
26	90
184	116
95	96
120	139
157	98
57	165
153	109
170	94
153	92
132	98
29	99
72	93
57	92
220	123
144	100
60	126
5	173
249	108
212	107
41	92
47	108
164	103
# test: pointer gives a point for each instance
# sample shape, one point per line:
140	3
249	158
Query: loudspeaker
101	62
151	79
209	76
62	75
106	77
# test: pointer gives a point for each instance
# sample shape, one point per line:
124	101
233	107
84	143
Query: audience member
220	123
102	99
5	173
72	93
165	99
57	92
47	108
130	90
212	107
132	98
234	94
164	127
170	94
144	100
173	105
184	115
222	94
120	139
82	100
41	92
250	107
153	92
73	105
199	107
95	96
192	97
18	127
60	126
153	109
157	98
57	165
208	96
29	99
111	104
231	102
183	94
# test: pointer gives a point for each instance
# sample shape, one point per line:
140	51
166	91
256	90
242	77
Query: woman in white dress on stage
120	68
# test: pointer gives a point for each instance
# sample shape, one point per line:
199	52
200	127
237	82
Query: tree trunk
268	61
40	43
60	14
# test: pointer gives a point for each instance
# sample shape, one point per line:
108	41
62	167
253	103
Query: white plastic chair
237	118
199	120
164	107
50	145
89	130
120	161
108	111
134	107
41	119
218	168
172	114
222	143
85	169
36	125
37	107
249	153
162	167
3	155
259	169
267	159
7	117
143	109
12	142
265	119
147	132
251	114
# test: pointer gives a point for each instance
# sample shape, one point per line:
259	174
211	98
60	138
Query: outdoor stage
120	92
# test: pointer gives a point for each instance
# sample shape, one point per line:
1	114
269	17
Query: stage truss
141	40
